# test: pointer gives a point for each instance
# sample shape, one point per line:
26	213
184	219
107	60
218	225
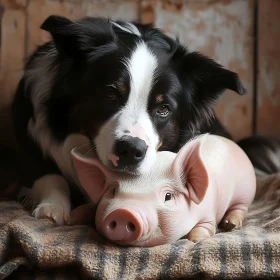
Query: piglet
210	180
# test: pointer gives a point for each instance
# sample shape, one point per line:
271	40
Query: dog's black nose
130	150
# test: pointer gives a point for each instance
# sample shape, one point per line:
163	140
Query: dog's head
131	88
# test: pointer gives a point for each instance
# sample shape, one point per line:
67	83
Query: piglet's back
231	174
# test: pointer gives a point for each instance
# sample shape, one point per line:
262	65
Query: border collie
123	88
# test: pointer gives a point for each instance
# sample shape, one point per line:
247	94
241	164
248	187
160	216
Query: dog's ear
83	37
203	79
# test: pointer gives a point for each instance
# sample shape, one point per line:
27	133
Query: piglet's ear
92	175
189	167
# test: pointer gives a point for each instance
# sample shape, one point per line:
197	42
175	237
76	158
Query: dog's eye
168	196
163	111
111	95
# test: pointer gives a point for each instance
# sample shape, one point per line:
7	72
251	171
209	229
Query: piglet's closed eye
92	175
189	167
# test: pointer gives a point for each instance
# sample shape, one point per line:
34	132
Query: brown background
243	35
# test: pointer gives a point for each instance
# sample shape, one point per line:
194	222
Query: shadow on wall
8	173
6	127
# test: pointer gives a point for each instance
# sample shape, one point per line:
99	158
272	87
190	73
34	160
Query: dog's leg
51	197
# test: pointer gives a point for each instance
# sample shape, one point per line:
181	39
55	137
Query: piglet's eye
168	196
114	191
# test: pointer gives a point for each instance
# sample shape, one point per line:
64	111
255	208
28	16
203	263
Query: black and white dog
125	89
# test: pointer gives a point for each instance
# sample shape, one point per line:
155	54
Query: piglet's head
189	169
151	209
92	174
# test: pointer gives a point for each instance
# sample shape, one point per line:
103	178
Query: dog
125	89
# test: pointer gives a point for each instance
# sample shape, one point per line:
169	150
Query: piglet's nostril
130	227
112	225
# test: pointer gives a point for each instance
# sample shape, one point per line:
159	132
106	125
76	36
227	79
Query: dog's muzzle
130	151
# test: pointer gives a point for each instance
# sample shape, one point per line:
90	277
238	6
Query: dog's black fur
87	55
264	153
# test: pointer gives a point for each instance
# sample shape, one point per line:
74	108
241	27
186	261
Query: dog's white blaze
142	67
128	27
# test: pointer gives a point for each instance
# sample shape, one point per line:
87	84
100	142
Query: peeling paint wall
221	29
12	57
268	113
38	10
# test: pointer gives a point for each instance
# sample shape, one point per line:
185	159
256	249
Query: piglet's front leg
83	215
201	231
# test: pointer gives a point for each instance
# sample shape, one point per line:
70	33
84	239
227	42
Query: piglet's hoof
197	234
196	239
232	220
228	225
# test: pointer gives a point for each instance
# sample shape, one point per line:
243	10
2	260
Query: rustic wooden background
243	35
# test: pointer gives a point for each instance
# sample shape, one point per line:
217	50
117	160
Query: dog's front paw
56	212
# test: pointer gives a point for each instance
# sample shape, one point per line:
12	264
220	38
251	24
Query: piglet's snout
123	225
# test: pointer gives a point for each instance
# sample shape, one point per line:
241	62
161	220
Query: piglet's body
210	180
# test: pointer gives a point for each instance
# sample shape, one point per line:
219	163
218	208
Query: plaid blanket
37	249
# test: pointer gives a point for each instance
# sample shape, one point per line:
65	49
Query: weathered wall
221	29
12	55
268	110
